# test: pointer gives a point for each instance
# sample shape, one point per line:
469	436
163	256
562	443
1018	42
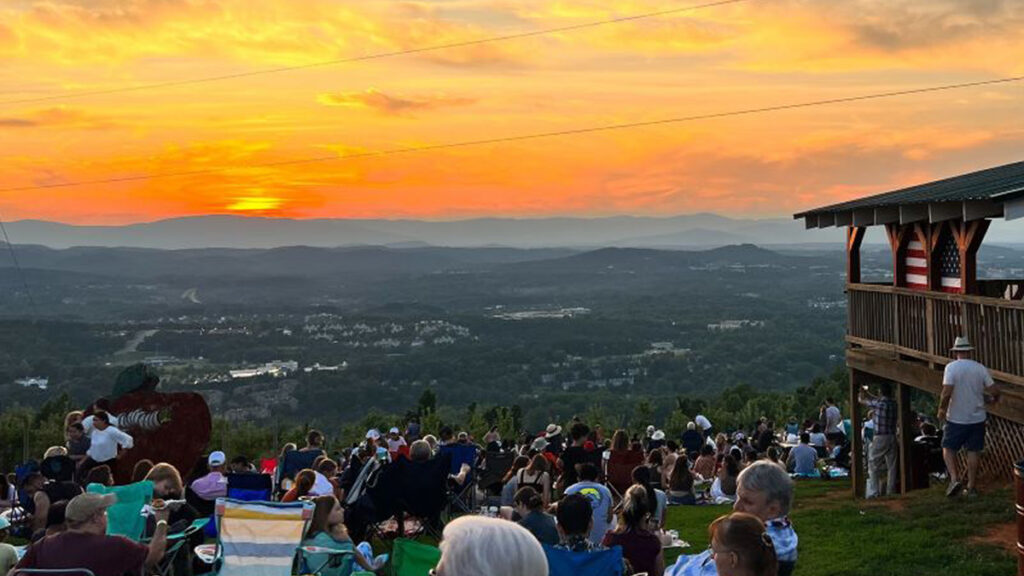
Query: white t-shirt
969	380
702	421
394	445
322	486
833	420
104	443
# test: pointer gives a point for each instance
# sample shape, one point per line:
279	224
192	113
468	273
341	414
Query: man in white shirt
704	424
966	389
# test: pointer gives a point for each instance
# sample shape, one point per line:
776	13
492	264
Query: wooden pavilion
902	331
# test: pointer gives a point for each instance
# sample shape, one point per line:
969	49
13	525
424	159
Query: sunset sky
751	54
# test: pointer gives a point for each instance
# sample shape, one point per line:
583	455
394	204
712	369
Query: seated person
327	530
818	438
529	505
305	480
658	501
214	484
85	544
765	491
575	524
724	487
838	452
704	466
803	458
741	546
680	485
40	493
241	465
599	496
635	534
55	521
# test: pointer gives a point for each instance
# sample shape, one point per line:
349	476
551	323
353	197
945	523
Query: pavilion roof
993	192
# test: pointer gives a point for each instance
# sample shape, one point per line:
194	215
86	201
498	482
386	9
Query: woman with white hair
475	545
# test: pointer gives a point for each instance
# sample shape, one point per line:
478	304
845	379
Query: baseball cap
393	430
372	434
217	458
83	506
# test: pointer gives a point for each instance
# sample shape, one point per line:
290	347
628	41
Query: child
327	530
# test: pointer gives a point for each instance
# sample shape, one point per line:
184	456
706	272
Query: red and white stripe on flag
917	266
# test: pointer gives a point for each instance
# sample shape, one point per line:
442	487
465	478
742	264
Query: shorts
970	436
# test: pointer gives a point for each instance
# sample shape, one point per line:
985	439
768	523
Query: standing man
966	389
704	424
883	452
833	421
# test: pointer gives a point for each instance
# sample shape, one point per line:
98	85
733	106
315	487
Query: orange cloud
390	105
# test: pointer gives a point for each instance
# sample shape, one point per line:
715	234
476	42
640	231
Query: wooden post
854	238
857	469
969	236
899	236
904	436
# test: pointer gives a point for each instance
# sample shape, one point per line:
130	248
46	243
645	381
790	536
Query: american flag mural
917	266
949	264
947	259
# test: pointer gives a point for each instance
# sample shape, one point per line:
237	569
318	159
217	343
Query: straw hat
962	344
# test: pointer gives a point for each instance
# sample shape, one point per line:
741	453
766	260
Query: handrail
924	324
890	289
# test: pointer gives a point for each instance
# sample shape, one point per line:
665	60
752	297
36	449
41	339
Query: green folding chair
410	558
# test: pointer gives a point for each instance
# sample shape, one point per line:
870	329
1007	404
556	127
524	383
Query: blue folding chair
565	563
250	487
462	497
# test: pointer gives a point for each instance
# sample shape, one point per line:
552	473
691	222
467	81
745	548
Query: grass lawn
924	533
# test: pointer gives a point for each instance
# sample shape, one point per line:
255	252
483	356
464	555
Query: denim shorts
970	436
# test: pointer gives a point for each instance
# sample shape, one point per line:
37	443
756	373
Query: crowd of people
560	490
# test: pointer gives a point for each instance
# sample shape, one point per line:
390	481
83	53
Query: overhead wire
522	137
376	56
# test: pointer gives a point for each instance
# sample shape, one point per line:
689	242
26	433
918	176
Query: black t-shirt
573	456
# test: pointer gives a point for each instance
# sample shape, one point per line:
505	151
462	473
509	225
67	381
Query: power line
377	56
17	266
533	136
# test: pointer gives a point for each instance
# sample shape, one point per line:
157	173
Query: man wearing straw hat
966	388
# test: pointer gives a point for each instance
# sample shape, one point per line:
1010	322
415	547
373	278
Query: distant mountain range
689	231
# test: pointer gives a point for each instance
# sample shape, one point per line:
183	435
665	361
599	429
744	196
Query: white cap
372	434
217	458
394	430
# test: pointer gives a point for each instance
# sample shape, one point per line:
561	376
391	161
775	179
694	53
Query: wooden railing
924	325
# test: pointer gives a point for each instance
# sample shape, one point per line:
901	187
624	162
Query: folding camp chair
250	487
462	497
176	543
410	558
619	472
602	563
406	489
256	538
125	517
292	463
489	481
